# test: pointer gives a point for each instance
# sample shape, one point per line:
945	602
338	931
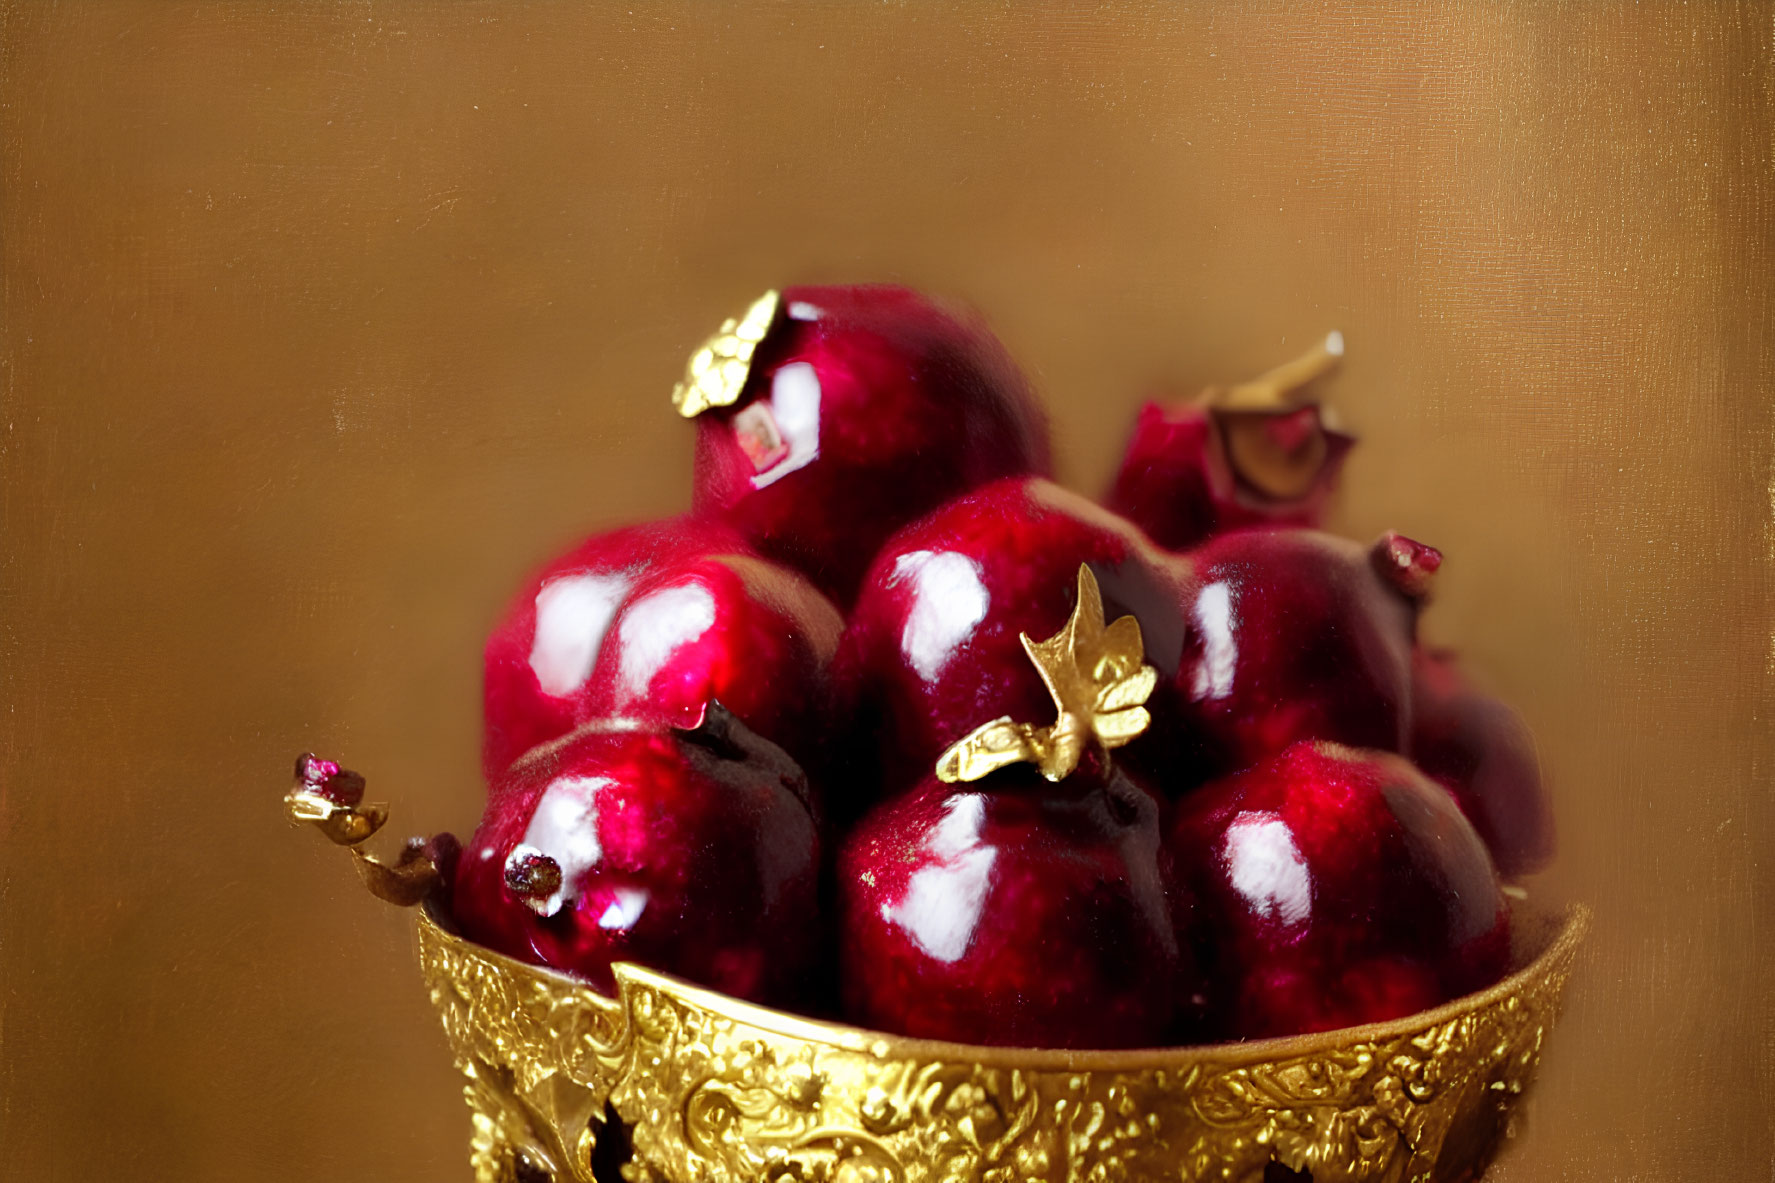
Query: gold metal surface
1098	678
404	882
718	370
719	1091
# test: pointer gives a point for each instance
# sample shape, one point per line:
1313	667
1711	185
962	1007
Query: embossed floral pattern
723	1093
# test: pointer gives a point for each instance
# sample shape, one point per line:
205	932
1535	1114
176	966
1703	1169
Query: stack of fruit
892	728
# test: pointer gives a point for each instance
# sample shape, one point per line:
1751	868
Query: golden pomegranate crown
717	371
1098	678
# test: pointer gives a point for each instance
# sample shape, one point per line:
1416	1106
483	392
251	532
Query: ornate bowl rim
1555	933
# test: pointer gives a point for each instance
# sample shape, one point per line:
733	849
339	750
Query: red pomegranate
829	417
1329	887
692	851
1260	454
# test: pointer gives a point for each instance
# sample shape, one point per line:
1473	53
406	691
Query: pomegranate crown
1285	387
718	369
1099	679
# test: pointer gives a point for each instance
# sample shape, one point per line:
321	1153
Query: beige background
323	322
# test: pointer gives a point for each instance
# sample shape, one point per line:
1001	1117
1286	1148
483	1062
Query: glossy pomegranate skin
533	685
733	628
866	408
1333	887
1181	482
931	650
1293	635
1010	912
1479	749
702	861
667	617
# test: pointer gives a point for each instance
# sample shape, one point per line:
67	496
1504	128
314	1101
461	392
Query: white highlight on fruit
565	828
943	901
802	310
572	615
654	627
1213	675
949	602
625	909
795	405
1266	868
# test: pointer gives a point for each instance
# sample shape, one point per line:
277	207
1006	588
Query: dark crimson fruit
932	646
862	409
1332	887
1480	750
690	851
650	623
1296	634
541	653
1257	454
1012	911
734	628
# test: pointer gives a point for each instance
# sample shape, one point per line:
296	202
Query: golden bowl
672	1083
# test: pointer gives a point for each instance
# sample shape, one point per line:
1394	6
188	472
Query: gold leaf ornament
718	370
348	821
1099	680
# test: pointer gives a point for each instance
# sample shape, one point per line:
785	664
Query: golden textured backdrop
321	323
